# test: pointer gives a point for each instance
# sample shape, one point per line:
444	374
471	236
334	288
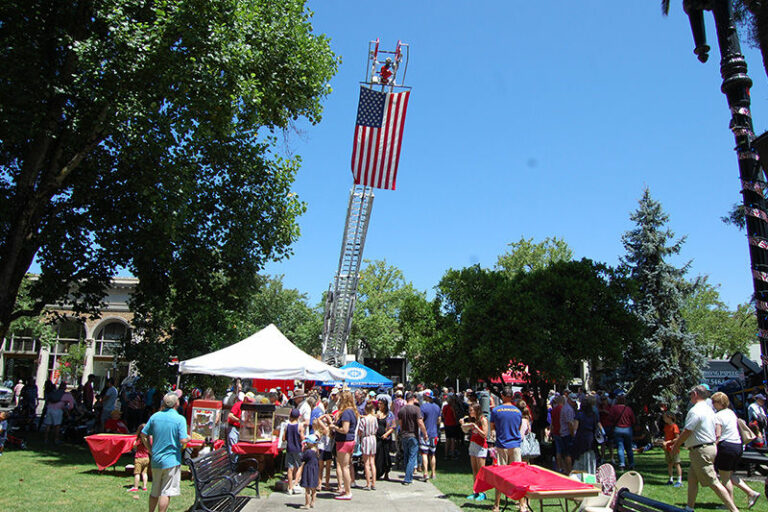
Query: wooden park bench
629	502
218	482
754	460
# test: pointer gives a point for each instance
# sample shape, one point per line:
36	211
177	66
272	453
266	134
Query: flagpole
735	86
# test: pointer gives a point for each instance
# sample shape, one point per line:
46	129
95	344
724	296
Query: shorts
506	456
558	444
672	458
166	482
53	417
345	447
567	442
703	465
428	445
453	432
326	456
140	465
475	450
728	455
292	459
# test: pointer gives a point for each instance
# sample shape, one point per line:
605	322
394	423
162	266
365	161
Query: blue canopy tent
360	376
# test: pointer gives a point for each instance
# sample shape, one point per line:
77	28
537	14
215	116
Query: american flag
378	135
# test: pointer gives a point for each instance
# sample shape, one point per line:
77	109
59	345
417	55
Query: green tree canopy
719	331
549	319
526	255
381	291
140	135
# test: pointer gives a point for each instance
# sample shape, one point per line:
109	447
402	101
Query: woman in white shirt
729	447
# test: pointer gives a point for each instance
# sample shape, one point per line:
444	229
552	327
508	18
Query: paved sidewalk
388	496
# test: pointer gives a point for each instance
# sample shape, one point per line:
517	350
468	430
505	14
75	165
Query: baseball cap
371	393
295	413
250	396
573	396
759	396
427	393
311	439
398	393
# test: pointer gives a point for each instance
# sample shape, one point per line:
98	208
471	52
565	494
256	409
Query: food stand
206	418
266	354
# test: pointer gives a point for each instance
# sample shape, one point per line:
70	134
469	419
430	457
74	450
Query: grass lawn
65	479
454	479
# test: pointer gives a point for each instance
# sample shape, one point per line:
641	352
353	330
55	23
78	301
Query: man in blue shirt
428	445
505	421
169	435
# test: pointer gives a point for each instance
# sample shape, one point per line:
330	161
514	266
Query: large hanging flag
378	135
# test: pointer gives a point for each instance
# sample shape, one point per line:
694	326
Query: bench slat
629	502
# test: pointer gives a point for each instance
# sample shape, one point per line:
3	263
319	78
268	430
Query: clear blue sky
528	119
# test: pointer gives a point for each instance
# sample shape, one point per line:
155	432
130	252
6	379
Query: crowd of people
369	432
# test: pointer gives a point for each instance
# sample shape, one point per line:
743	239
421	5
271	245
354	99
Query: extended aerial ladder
342	294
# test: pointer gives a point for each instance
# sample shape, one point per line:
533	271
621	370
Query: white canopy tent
267	354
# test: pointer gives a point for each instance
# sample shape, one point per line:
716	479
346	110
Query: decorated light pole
736	84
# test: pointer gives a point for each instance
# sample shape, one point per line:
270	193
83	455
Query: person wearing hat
305	409
235	415
169	435
333	400
756	413
699	436
430	412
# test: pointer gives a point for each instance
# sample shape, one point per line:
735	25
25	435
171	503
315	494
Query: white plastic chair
631	480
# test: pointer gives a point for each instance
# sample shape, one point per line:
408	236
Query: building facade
23	356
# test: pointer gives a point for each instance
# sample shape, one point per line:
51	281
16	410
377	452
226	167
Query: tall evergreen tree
663	363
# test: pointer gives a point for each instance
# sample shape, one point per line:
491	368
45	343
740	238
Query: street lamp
736	84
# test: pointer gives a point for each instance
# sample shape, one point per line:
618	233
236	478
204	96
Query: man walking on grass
168	430
699	437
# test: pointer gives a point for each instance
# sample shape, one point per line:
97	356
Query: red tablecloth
242	448
107	448
519	478
269	448
198	443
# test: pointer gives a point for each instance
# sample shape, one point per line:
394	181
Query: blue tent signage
360	376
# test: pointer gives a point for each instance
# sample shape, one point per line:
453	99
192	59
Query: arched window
109	336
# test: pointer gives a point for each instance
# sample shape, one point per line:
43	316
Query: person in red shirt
554	430
115	425
140	462
452	429
234	418
671	433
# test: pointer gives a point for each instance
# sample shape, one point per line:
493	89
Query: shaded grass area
65	479
454	479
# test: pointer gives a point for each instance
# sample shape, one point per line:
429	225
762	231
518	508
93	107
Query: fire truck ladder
340	301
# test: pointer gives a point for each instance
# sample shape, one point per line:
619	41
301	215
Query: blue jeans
623	438
410	452
234	435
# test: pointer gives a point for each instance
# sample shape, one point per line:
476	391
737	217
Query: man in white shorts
169	435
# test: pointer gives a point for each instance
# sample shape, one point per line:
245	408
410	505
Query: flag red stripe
391	123
401	124
384	147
